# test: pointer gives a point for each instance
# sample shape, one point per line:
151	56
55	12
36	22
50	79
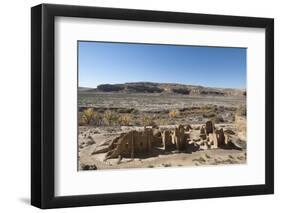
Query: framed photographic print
140	106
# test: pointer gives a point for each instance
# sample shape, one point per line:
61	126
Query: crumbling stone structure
203	134
134	142
131	143
212	138
187	127
209	127
167	139
179	137
221	139
157	137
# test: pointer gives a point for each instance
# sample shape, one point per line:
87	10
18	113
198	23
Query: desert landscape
148	125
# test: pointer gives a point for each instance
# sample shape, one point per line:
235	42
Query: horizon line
198	85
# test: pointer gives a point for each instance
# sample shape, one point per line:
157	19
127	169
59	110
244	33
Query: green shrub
174	113
110	118
162	122
87	115
147	121
124	120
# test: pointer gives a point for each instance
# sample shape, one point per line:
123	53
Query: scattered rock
88	167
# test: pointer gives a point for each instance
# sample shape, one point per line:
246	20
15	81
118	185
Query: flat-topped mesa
164	88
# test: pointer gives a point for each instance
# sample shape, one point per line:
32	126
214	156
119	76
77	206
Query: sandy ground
192	110
91	139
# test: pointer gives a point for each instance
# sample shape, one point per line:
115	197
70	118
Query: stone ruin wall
141	142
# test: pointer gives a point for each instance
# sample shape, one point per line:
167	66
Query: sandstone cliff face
165	88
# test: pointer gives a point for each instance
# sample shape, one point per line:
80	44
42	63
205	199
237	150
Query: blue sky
107	62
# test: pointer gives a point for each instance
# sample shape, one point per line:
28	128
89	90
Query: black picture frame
43	111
